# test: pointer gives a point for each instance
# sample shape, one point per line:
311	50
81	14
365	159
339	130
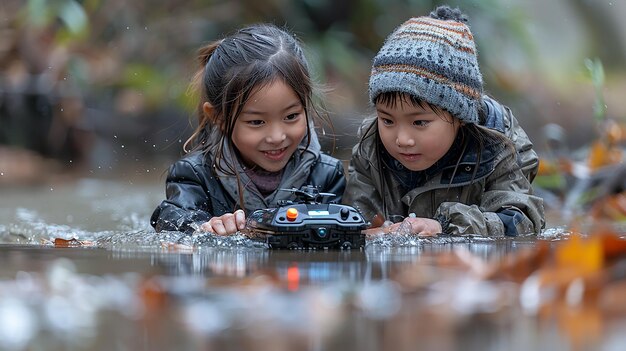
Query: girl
428	154
254	136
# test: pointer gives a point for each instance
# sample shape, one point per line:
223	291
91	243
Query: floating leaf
520	265
584	256
58	242
612	208
612	245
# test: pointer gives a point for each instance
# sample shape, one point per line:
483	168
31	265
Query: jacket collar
295	174
464	162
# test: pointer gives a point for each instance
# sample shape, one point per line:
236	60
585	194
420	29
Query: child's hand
422	226
227	224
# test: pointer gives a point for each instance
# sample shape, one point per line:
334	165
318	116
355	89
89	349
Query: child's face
415	136
270	127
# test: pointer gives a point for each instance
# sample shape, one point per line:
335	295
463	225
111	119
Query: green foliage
155	84
341	36
43	13
596	72
554	182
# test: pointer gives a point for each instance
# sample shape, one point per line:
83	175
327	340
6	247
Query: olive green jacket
473	200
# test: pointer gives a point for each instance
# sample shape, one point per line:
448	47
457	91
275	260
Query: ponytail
196	88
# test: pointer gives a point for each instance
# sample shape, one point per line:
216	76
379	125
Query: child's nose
404	140
276	135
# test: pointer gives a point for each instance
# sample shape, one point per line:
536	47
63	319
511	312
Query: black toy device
308	223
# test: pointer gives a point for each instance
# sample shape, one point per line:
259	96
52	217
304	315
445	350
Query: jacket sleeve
360	191
508	206
187	204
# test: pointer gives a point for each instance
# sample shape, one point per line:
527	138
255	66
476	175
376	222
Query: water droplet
114	136
1	173
61	110
51	189
127	27
123	146
147	171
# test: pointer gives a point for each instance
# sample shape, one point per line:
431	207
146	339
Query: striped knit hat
434	59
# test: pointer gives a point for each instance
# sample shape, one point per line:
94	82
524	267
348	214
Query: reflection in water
127	287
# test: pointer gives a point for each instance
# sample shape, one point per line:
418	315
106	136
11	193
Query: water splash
30	228
554	233
403	237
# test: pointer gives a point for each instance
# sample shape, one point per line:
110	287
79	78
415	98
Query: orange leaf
58	242
610	208
597	155
546	167
586	256
613	246
519	265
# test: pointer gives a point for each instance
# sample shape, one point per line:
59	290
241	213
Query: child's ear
208	111
209	114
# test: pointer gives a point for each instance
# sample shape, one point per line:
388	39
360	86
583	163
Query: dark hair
230	71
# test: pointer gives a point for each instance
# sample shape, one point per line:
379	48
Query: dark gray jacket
197	191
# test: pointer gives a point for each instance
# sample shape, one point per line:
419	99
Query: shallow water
126	287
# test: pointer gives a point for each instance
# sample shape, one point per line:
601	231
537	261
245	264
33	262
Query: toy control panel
308	223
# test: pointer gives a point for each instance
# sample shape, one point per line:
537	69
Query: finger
229	223
425	234
240	219
218	227
392	228
206	227
416	225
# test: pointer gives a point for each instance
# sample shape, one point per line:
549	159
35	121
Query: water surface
126	287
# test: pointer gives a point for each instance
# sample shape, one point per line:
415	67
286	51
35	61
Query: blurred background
99	88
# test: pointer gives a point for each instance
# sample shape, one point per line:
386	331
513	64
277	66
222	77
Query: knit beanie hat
434	59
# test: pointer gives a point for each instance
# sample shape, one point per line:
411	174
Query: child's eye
292	117
255	122
420	123
386	121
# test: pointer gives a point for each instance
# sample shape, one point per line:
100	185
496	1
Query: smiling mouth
275	154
